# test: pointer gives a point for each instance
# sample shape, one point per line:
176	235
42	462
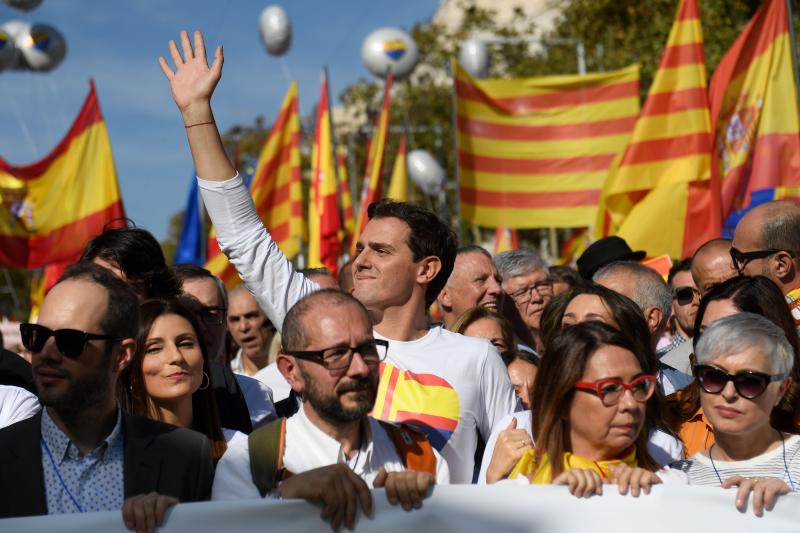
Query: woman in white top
743	367
168	379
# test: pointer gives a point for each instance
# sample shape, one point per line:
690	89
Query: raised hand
408	488
192	82
511	444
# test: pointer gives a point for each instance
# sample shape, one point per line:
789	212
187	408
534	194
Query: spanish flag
533	152
275	188
50	209
371	191
346	200
398	185
324	222
755	115
657	196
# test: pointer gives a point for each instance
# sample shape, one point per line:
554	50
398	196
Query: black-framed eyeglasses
340	357
213	315
524	294
748	384
70	342
740	259
684	295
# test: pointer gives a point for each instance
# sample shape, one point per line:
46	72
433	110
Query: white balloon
425	171
23	5
42	47
8	52
387	48
275	29
474	57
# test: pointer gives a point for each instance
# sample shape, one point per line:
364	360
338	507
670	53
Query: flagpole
454	109
335	154
793	43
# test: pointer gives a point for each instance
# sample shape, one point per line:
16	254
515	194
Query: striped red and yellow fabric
372	189
398	184
505	240
755	114
324	223
50	209
534	152
656	196
275	188
345	199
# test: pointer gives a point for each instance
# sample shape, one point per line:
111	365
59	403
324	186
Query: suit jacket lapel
142	465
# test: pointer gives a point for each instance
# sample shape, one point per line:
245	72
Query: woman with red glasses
589	413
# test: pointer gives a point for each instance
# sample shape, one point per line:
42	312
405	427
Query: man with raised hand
446	384
331	452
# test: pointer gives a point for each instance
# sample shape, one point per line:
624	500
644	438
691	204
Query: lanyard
58	474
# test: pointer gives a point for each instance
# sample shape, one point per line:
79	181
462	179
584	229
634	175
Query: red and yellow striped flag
398	185
371	191
755	114
658	188
534	152
505	240
323	210
346	200
50	209
276	189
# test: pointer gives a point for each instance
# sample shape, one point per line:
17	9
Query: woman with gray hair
743	367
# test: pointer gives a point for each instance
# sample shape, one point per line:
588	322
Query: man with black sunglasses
767	243
82	453
331	452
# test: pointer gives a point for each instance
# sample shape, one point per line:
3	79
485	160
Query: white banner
467	509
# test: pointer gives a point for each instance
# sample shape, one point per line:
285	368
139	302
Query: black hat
605	251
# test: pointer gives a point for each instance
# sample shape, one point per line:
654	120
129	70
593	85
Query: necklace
785	464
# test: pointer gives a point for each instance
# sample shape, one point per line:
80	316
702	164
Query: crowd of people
149	385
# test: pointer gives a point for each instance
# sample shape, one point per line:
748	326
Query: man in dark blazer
81	453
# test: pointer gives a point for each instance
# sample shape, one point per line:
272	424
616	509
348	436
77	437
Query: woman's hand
511	444
636	479
765	492
581	482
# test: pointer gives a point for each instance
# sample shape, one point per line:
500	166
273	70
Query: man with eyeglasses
527	283
331	452
767	243
82	453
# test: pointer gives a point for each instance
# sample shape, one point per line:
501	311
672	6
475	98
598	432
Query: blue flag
190	245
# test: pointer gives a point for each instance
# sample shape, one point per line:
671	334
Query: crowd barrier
467	509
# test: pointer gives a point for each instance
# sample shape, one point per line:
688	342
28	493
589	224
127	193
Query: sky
117	43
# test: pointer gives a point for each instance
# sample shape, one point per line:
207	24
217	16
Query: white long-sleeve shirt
448	385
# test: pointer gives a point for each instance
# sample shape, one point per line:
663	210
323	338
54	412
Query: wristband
198	124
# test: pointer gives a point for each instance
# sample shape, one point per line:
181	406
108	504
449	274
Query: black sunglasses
70	342
683	295
748	384
740	259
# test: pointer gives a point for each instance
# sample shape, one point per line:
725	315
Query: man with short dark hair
473	282
447	384
685	300
332	452
767	243
82	453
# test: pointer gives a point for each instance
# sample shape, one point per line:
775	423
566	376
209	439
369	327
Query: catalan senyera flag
50	209
345	199
398	184
276	189
371	191
324	223
755	115
533	152
505	240
657	194
574	246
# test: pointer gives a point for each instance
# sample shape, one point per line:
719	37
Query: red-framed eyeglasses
610	391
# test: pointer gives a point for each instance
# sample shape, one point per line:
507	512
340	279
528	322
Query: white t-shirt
16	404
307	447
446	384
663	448
258	398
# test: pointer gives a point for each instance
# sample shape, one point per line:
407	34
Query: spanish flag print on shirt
458	385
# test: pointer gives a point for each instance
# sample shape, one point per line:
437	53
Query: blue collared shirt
81	483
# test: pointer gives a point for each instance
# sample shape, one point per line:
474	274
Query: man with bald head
711	265
473	282
767	243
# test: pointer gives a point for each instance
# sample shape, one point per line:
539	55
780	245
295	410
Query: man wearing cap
604	252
